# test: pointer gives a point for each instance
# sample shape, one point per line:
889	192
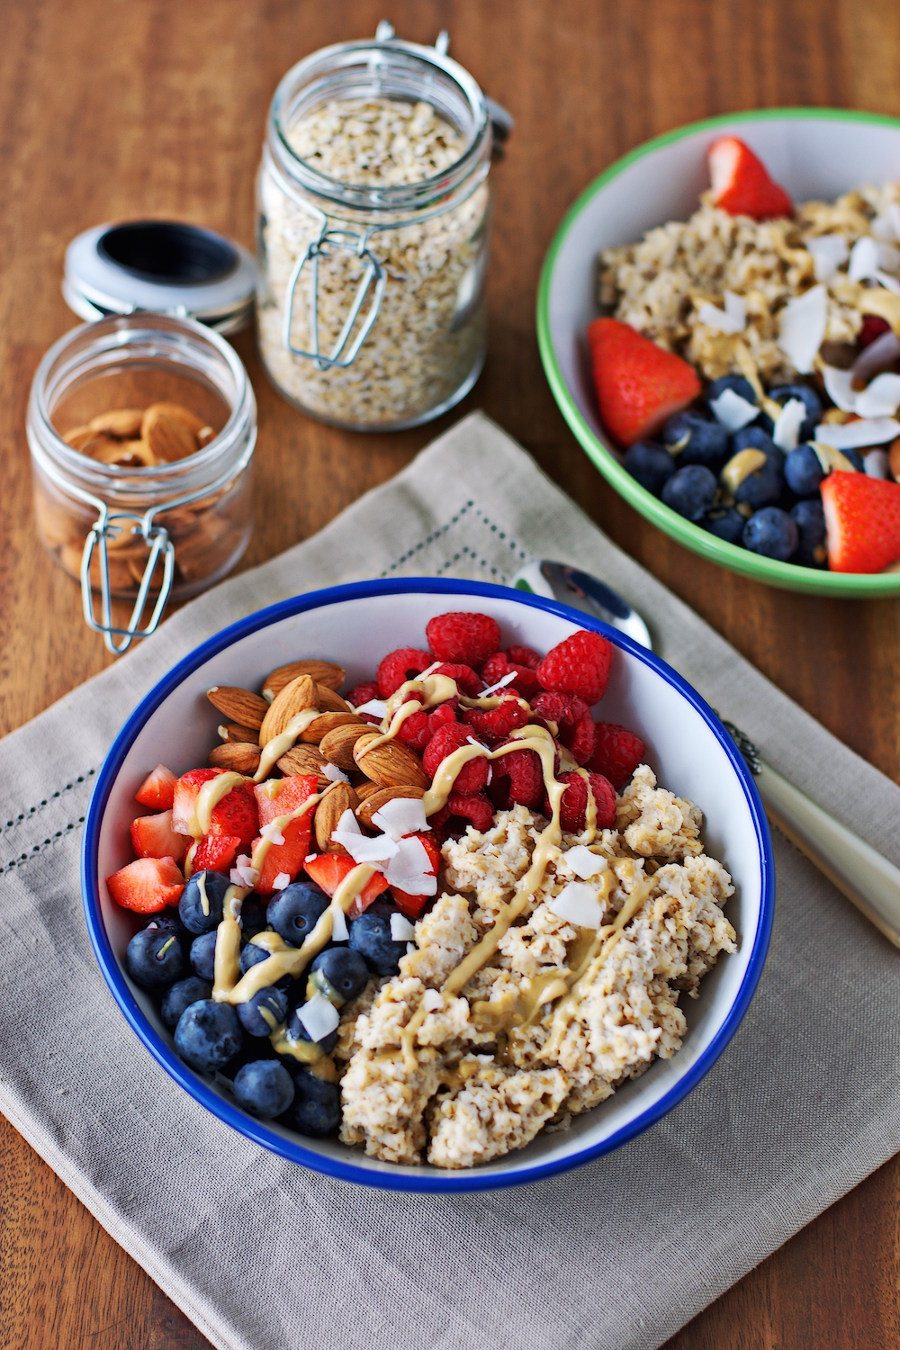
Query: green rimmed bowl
815	153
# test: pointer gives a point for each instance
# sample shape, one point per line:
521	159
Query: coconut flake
840	386
731	319
281	881
501	684
786	432
864	259
363	849
887	225
470	740
801	327
577	903
881	398
583	862
856	435
402	815
348	824
375	708
401	928
432	1000
319	1017
828	251
732	411
334	773
272	833
887	281
877	356
339	930
409	868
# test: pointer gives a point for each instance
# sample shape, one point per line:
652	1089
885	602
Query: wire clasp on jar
109	525
373	279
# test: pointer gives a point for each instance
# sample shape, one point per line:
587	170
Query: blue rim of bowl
787	576
227	1112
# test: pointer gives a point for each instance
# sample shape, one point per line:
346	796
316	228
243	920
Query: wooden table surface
112	109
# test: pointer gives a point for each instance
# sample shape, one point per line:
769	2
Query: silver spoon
869	880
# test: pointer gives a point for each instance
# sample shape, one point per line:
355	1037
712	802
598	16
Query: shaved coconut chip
786	432
583	862
880	354
283	879
401	928
334	773
881	398
828	252
855	435
363	849
735	306
348	823
887	225
410	868
839	386
272	833
864	259
719	320
319	1017
429	670
577	903
339	930
887	281
732	411
472	741
403	815
801	328
375	707
432	1000
243	874
410	948
501	684
876	464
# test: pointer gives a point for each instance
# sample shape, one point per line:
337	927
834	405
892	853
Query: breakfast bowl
687	747
816	154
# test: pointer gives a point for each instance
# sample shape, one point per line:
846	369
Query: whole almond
78	437
123	423
365	790
323	672
169	437
304	759
296	697
236	755
194	423
330	701
319	729
379	797
234	731
341	798
337	745
390	764
238	705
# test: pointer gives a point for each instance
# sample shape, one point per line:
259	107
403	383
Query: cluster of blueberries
782	513
234	1042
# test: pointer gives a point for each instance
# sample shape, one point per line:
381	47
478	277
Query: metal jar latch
110	525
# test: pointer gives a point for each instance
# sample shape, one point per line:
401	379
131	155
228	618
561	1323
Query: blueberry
203	956
154	959
316	1108
856	459
783	393
181	996
772	533
296	910
253	916
208	1034
738	384
809	518
727	524
755	438
297	1032
264	1088
370	934
251	955
690	491
802	471
339	974
695	439
262	1013
196	916
650	464
766	483
167	923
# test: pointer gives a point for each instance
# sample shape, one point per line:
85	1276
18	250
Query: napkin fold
618	1254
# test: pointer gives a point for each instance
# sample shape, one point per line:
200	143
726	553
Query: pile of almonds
338	736
141	437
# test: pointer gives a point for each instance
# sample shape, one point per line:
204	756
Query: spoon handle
870	881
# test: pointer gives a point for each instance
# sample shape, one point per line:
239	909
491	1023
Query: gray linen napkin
620	1253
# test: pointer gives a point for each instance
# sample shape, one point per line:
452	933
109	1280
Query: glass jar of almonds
142	429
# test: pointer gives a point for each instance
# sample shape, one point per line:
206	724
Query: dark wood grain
111	109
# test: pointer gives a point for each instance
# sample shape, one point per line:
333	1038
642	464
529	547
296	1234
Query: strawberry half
278	796
638	384
862	521
216	853
157	789
328	870
184	797
154	837
237	815
147	885
412	905
741	184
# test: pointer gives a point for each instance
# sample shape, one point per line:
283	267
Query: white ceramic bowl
355	625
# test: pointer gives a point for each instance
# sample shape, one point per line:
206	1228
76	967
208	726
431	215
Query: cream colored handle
868	880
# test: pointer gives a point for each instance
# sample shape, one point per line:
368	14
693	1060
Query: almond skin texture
379	797
238	705
390	764
319	729
341	798
123	423
236	756
297	696
323	672
169	437
234	731
366	790
329	701
337	745
177	410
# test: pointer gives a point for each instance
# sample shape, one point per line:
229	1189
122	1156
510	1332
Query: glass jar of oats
373	233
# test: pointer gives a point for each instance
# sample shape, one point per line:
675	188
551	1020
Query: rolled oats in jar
373	222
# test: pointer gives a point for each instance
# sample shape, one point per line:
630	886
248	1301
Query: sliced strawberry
741	184
157	789
287	858
216	853
412	905
862	520
153	837
184	799
638	384
278	796
237	814
147	885
328	870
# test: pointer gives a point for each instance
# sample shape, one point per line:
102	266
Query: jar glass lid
164	266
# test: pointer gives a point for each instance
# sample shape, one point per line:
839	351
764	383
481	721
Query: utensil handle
871	882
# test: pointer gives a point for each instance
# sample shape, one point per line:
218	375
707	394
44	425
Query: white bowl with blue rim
688	748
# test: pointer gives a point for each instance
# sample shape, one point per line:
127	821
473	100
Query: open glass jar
373	233
142	531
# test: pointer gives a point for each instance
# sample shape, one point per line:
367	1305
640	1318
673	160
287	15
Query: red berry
573	811
499	665
862	520
444	713
399	666
462	810
495	724
638	384
617	753
473	776
565	710
216	853
154	837
237	814
523	656
147	885
578	665
741	184
463	636
157	789
467	680
416	731
873	326
519	778
363	693
184	797
412	905
579	740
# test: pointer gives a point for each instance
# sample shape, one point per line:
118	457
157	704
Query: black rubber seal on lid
169	252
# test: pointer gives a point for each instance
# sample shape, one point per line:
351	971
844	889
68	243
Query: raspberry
578	665
495	724
415	731
573	812
519	778
473	775
466	678
461	810
580	740
399	666
617	752
443	714
465	637
500	665
523	656
565	710
363	693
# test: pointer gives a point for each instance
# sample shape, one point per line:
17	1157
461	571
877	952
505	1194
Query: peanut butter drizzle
208	798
